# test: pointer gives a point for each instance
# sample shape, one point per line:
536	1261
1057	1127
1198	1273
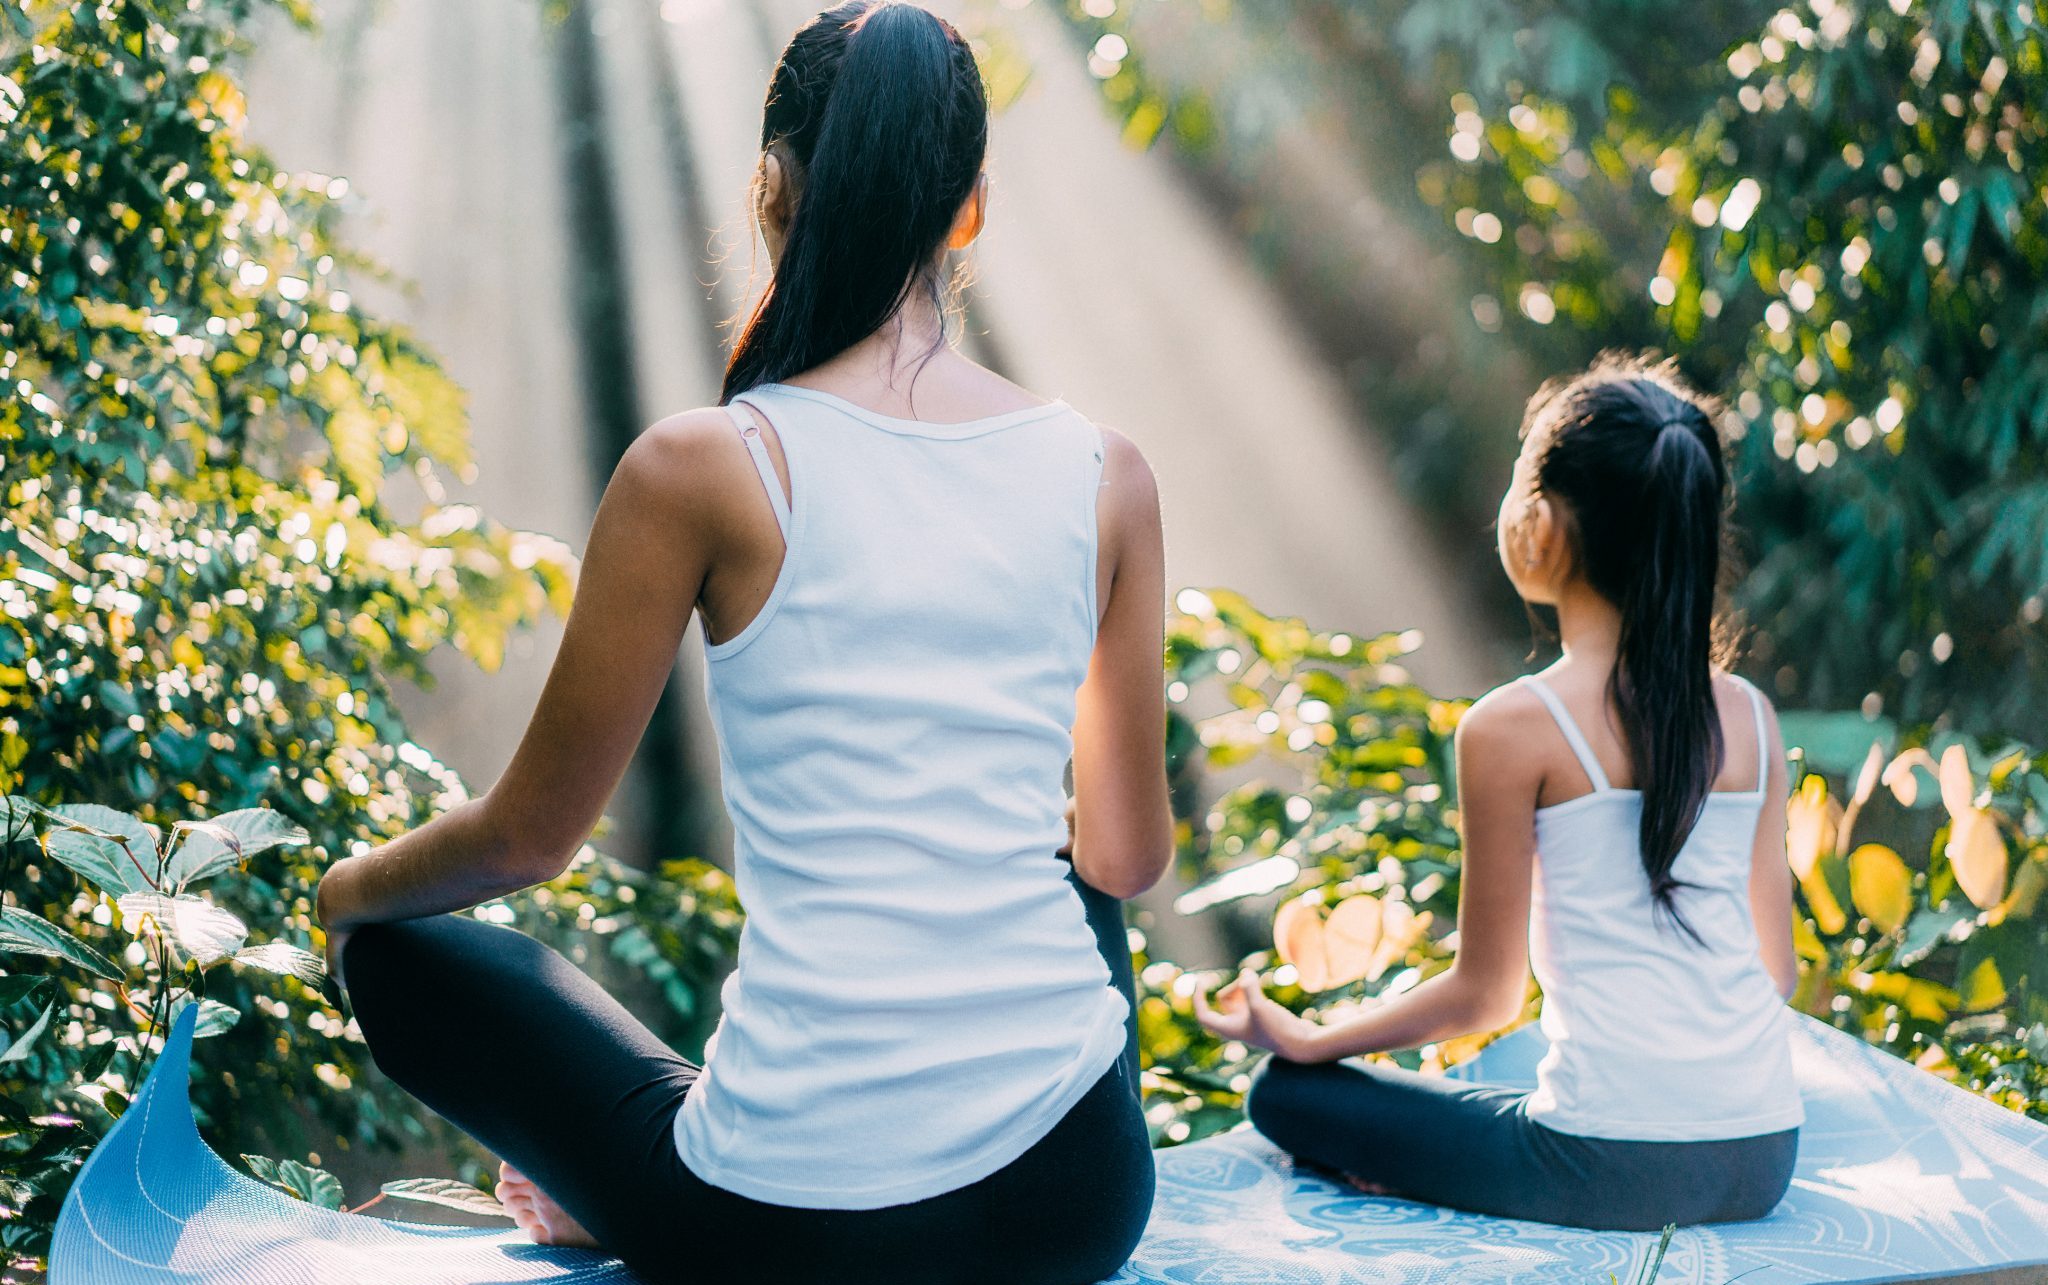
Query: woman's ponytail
1634	456
880	118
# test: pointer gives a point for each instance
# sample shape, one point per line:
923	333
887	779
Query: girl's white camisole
1654	1037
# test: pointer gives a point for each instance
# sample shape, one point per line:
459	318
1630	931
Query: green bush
207	583
1920	924
1834	211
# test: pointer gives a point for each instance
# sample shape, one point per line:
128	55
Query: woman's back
1663	1026
918	996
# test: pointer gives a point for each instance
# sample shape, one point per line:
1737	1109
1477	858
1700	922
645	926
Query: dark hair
882	120
1632	455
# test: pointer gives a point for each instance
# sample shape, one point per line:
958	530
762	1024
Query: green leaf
1927	930
206	848
314	1186
17	817
112	851
278	957
448	1193
1835	743
204	932
13	1050
214	1019
24	933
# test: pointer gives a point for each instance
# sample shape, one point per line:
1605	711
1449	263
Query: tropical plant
1921	863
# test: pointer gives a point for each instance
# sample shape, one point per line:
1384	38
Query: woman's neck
892	356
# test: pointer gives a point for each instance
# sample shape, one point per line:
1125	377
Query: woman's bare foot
1369	1188
543	1221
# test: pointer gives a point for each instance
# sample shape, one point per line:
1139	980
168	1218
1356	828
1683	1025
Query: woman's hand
1245	1013
328	899
335	941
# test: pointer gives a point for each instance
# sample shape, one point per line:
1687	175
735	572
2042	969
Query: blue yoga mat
1901	1177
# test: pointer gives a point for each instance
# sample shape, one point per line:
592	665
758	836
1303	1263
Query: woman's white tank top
1654	1037
918	998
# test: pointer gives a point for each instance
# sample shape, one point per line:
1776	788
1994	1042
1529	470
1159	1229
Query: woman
923	590
1624	826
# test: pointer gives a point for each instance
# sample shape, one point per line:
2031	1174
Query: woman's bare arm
1123	823
650	549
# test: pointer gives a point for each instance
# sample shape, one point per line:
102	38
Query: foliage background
222	535
225	529
1835	212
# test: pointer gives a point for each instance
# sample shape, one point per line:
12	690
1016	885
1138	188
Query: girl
1624	831
922	589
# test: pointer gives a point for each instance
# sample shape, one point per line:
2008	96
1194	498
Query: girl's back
1657	1032
1622	835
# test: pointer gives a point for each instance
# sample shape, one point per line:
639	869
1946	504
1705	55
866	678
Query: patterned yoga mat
1901	1177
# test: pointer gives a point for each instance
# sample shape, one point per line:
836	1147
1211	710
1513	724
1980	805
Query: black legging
526	1054
1467	1146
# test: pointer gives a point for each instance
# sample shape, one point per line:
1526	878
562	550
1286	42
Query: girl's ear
972	218
1546	550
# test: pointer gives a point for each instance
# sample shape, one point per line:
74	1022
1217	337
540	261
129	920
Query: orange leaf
1905	786
1298	937
1810	821
1350	935
1956	787
1866	780
1977	851
1361	938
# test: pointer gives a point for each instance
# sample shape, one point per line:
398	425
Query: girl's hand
1245	1013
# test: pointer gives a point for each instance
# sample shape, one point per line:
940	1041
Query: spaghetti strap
750	433
1763	741
1570	728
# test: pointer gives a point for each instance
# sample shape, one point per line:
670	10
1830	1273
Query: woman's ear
772	202
973	216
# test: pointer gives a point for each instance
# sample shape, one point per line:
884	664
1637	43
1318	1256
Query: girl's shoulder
1507	710
1497	732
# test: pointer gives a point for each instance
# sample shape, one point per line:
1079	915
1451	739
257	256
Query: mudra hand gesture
1245	1013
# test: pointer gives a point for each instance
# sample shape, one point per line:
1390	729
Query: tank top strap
1763	740
1572	734
750	433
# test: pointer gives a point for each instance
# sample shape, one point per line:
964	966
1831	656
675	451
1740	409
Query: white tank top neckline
918	998
1654	1037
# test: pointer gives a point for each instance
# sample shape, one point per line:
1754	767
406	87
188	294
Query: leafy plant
1830	210
157	945
1357	812
225	530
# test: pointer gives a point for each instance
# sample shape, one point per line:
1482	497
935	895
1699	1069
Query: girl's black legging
526	1054
1467	1146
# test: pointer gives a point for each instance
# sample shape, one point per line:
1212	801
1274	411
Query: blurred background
323	324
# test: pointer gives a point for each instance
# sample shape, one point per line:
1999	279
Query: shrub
1829	210
223	531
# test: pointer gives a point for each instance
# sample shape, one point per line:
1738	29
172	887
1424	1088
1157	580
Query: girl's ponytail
881	118
1663	679
1634	456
